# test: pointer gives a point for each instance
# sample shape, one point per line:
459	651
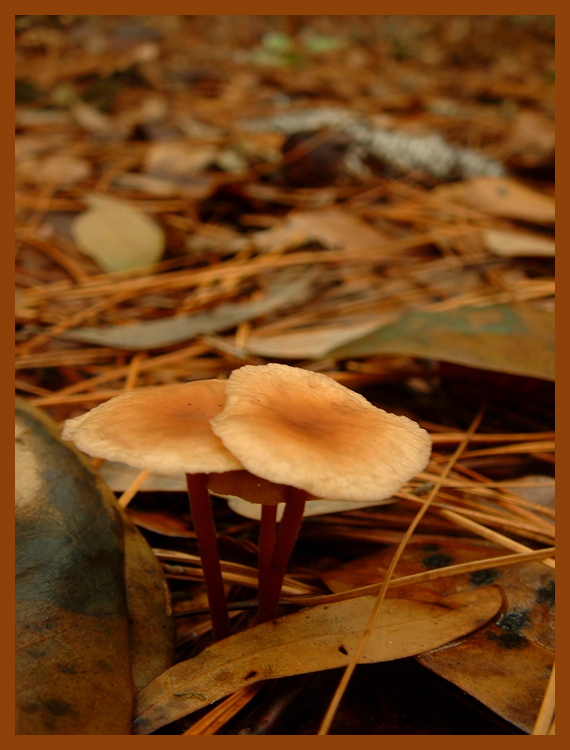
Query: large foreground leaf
323	637
508	338
92	607
72	642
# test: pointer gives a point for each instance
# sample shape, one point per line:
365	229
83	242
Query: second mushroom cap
302	429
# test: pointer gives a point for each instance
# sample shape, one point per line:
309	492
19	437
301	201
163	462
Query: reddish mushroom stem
286	535
203	521
267	533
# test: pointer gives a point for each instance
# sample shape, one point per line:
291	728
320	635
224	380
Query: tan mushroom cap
301	428
164	429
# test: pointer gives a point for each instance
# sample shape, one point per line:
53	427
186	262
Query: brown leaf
308	641
517	244
506	664
501	196
331	227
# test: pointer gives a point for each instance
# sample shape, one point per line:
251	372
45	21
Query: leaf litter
417	271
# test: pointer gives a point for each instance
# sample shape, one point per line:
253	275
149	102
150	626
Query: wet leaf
287	288
501	196
116	235
516	338
505	664
308	641
72	641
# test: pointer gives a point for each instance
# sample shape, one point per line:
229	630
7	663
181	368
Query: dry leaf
332	227
176	160
517	244
501	196
312	640
116	235
506	664
288	287
313	343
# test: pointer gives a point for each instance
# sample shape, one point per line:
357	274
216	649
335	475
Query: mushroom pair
269	434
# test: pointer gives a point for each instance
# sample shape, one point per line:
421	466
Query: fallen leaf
117	236
517	244
501	196
178	159
313	343
506	664
516	338
331	227
151	628
288	287
73	669
315	639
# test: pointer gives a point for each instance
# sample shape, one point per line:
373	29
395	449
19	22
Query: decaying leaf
312	640
508	338
73	670
287	288
116	235
505	664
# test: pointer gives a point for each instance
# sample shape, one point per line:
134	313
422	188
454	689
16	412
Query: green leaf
517	339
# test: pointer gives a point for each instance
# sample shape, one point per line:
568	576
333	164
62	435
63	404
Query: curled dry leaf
309	641
116	235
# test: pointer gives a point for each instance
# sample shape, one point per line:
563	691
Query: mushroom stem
286	535
203	521
267	529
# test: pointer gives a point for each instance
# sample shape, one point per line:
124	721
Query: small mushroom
166	429
302	429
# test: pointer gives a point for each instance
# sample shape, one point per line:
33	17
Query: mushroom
166	429
302	429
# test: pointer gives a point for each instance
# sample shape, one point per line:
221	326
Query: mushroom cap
301	428
165	429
